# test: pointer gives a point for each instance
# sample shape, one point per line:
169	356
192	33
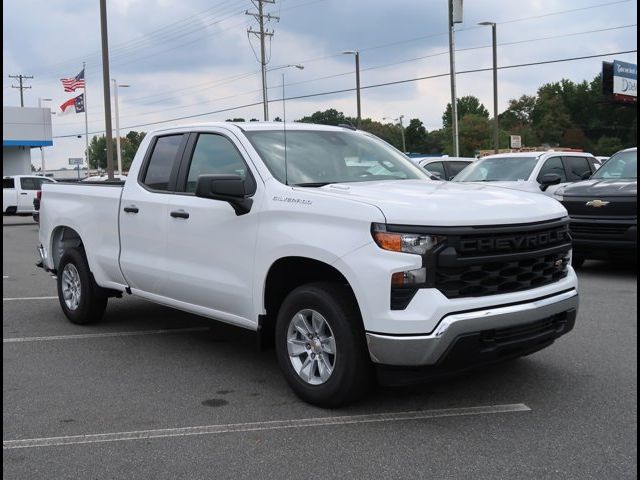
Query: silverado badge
597	203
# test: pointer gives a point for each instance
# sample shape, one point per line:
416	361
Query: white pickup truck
324	240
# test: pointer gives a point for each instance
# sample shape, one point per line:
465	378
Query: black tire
577	261
92	304
11	210
352	375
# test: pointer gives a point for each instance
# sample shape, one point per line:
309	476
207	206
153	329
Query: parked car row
19	191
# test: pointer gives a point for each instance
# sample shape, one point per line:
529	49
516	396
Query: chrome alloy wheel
311	347
71	287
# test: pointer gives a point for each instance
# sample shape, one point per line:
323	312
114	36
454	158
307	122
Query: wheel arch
287	273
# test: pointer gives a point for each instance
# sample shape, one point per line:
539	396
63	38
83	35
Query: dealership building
23	128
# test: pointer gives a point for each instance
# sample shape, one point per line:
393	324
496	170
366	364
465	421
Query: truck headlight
416	243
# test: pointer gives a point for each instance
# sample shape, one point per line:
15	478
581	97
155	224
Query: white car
530	171
332	246
445	168
18	192
600	160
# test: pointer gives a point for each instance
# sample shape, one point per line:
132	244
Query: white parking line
5	276
13	299
258	426
105	334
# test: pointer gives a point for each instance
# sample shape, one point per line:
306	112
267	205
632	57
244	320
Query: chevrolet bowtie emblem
597	203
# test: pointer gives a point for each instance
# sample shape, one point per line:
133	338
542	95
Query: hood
423	202
515	185
602	188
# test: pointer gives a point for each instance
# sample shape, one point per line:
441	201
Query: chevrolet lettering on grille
514	243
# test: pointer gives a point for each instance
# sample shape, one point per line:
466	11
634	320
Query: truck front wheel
77	291
320	344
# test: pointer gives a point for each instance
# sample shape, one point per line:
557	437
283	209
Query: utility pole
21	86
105	84
262	34
455	16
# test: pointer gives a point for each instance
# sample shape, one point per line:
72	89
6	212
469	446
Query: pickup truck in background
604	211
19	191
327	242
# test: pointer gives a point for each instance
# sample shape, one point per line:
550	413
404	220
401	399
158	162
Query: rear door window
553	165
28	183
576	167
162	162
8	183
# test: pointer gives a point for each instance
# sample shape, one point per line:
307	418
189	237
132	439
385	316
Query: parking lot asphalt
183	397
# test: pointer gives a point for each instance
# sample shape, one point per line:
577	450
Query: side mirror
549	179
228	188
586	175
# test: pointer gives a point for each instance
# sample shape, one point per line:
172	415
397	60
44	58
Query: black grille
598	229
501	277
494	260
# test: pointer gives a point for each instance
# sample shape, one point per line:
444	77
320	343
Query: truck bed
91	209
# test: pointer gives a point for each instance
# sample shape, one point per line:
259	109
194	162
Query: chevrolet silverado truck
327	242
604	211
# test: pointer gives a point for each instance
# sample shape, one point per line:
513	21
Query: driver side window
214	154
553	165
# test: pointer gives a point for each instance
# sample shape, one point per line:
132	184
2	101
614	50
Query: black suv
604	210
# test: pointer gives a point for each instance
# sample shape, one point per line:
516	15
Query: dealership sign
625	79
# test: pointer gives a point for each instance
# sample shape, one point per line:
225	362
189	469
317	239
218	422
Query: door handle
23	193
179	214
131	209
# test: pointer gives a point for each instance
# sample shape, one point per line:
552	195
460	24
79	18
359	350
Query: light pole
399	120
40	100
115	103
496	131
356	53
284	110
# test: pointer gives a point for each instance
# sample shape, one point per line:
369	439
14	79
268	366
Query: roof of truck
253	126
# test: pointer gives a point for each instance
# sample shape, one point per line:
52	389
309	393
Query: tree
607	146
415	136
128	146
327	117
466	105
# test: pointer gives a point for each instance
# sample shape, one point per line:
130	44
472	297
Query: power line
375	67
378	85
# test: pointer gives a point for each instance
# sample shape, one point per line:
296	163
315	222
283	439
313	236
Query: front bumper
558	310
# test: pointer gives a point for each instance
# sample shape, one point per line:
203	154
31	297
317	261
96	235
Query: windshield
498	169
621	165
316	158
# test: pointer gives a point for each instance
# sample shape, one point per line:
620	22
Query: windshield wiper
311	184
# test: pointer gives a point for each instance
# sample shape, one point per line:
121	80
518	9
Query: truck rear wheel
320	344
77	291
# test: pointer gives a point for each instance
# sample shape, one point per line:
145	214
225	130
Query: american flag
71	84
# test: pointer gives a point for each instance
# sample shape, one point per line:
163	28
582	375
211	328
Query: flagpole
86	121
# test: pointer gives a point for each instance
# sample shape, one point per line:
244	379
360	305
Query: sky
195	57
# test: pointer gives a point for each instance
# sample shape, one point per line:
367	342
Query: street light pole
399	120
115	104
496	131
356	53
40	100
284	111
